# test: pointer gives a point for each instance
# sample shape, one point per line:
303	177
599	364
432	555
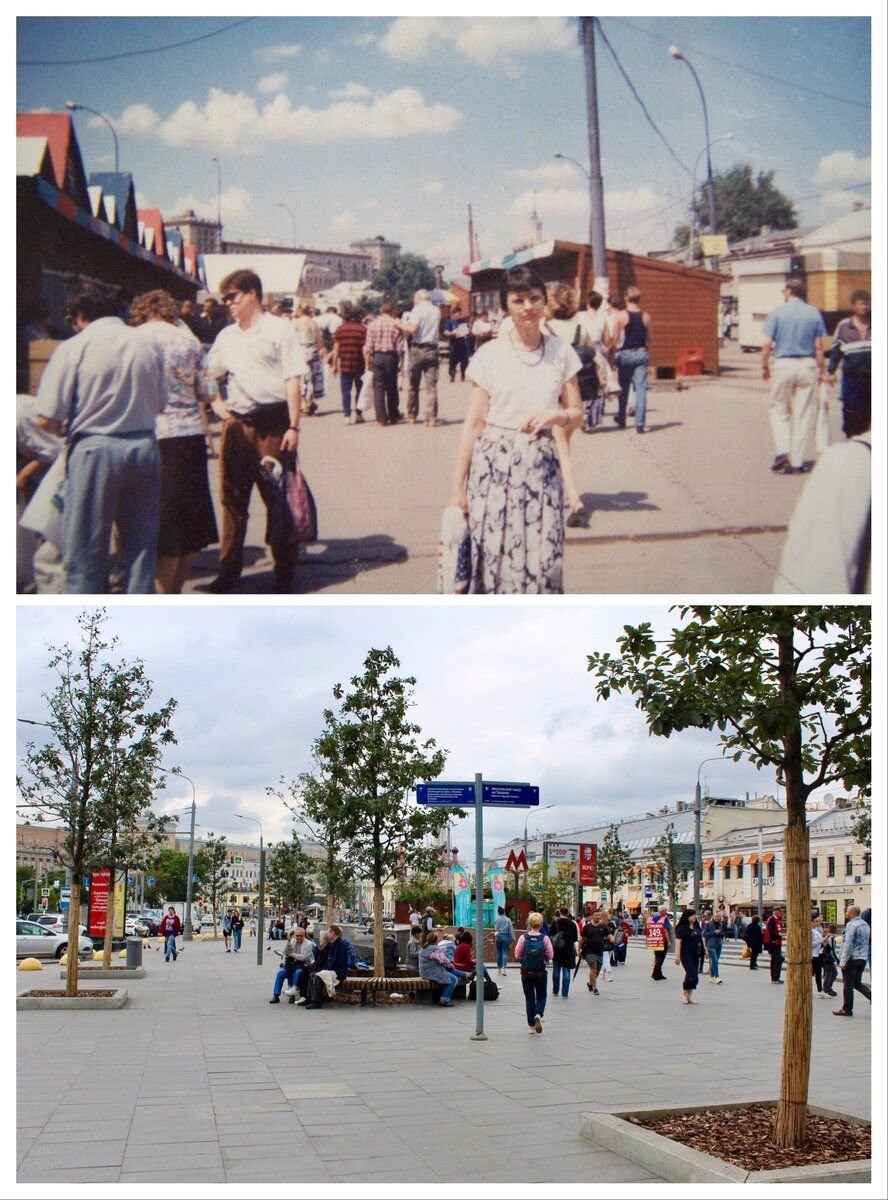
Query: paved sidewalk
689	507
248	1092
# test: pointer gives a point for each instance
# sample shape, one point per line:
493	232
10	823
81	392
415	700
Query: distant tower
536	225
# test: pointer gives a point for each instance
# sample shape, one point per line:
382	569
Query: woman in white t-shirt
508	476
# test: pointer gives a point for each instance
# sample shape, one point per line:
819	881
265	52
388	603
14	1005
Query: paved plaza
200	1080
689	507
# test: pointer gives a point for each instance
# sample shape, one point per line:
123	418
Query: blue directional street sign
195	879
151	881
494	795
130	880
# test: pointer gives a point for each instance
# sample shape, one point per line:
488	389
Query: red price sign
587	863
98	902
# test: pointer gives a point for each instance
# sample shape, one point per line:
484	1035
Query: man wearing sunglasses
264	364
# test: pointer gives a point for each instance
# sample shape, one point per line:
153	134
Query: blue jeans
346	382
714	946
534	995
169	947
632	368
502	944
453	978
291	976
560	975
112	481
237	938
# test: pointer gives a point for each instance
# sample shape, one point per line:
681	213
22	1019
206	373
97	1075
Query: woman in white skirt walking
508	477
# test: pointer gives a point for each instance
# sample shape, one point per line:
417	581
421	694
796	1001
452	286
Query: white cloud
636	200
351	91
843	166
844	201
279	51
370	204
269	84
556	172
237	204
236	123
482	40
551	202
432	188
344	220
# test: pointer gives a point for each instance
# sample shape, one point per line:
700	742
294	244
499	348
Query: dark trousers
385	386
346	383
534	995
659	959
852	981
458	356
753	959
776	953
830	971
817	971
244	444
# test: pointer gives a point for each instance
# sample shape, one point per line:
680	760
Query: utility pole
472	255
596	183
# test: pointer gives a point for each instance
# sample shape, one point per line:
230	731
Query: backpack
587	376
533	956
559	941
350	956
491	990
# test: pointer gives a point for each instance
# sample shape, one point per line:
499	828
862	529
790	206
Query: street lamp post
289	210
260	931
677	54
73	107
526	819
724	138
218	199
187	935
698	848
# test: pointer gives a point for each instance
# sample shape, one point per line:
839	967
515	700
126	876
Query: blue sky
504	690
393	125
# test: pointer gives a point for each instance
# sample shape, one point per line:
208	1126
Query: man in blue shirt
855	947
794	334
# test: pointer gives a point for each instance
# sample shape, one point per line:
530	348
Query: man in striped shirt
348	361
381	353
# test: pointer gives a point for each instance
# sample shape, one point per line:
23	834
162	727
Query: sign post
478	794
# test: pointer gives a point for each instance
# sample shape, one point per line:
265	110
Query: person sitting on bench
297	955
336	955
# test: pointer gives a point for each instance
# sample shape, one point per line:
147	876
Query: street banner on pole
497	878
462	895
100	885
587	865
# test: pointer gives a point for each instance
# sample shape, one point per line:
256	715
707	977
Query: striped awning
723	862
768	858
708	863
504	262
752	860
736	860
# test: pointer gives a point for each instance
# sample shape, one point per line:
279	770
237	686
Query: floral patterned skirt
516	514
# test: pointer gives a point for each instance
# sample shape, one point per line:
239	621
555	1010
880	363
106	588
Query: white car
36	941
55	925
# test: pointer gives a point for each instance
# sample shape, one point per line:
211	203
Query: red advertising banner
99	886
587	863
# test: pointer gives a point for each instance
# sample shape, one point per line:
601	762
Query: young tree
552	889
673	859
401	277
787	688
97	709
371	755
743	205
288	874
170	871
211	867
612	862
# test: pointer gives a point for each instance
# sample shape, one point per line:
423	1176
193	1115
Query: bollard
133	952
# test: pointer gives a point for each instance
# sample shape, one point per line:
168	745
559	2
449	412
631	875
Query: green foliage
170	871
24	888
401	277
743	205
211	868
862	828
673	859
288	873
612	863
421	890
552	889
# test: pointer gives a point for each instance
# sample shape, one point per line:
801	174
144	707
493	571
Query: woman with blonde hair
533	951
561	320
309	337
187	519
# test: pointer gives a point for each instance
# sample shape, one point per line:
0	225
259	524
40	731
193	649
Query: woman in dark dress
754	936
688	939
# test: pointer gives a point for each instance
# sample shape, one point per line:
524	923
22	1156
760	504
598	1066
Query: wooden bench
360	988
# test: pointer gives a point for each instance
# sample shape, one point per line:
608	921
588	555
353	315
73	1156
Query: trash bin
133	952
690	360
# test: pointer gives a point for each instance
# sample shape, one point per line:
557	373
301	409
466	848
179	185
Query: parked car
57	926
146	926
36	941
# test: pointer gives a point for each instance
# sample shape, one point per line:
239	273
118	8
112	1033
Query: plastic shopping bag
365	397
292	512
454	553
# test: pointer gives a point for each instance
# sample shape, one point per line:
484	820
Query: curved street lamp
289	210
73	107
698	847
677	54
726	137
189	887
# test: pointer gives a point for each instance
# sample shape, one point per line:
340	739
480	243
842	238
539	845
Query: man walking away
381	351
103	390
855	947
503	936
794	334
564	945
169	929
264	364
422	325
456	330
774	943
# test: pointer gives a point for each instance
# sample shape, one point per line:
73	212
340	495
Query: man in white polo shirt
422	325
794	334
264	364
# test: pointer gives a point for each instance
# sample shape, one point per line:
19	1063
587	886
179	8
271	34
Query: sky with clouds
394	125
504	690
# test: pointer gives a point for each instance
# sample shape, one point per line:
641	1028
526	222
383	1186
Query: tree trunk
331	903
378	956
73	971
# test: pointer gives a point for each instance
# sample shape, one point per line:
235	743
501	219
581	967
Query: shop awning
724	861
768	858
707	863
736	860
752	860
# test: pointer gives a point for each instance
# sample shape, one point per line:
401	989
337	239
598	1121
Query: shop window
712	873
813	868
740	870
727	871
849	865
831	867
867	864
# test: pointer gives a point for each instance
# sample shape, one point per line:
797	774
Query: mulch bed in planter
41	993
742	1136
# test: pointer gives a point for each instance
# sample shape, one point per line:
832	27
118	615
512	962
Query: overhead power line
631	85
726	62
74	62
